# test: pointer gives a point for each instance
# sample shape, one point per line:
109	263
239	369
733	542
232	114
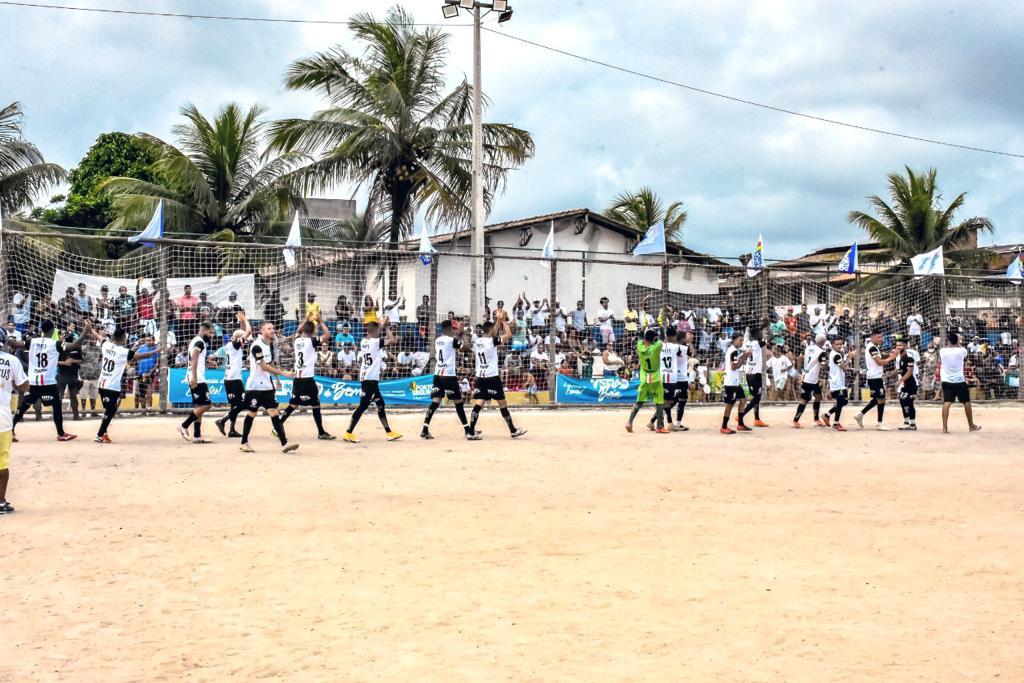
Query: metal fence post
665	268
431	322
4	293
163	295
858	342
552	332
942	308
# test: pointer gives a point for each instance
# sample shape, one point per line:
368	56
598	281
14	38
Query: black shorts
877	387
201	395
370	390
261	398
305	392
909	390
676	391
732	394
49	394
808	390
955	391
489	389
446	387
235	391
839	395
111	400
755	382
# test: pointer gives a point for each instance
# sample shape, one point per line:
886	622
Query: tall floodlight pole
451	10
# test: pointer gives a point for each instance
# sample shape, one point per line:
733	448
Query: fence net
579	317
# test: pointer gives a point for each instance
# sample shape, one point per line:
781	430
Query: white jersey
305	356
11	375
260	352
836	373
917	364
683	364
43	355
755	364
197	344
445	348
669	362
485	351
952	360
875	370
370	359
813	356
234	352
113	360
732	377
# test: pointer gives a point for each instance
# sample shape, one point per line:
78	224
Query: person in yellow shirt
312	308
370	311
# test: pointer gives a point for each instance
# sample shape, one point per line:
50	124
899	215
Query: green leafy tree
914	221
644	208
23	171
390	126
215	182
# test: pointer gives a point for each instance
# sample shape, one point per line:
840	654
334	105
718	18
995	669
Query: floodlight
505	16
500	5
450	11
467	4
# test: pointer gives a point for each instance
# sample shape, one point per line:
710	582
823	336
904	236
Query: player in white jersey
234	387
488	376
114	358
371	348
673	365
755	375
43	355
838	363
954	383
814	357
260	388
198	350
875	362
682	382
305	390
908	362
732	390
446	380
12	378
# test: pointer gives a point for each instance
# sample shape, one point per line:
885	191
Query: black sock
286	413
360	409
817	410
866	409
460	410
383	416
799	411
197	428
881	411
474	418
188	421
632	414
912	410
279	428
725	421
318	420
103	425
838	411
680	407
246	428
431	409
508	419
58	418
905	409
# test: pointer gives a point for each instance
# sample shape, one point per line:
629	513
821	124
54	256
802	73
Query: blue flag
653	242
155	229
849	263
1015	271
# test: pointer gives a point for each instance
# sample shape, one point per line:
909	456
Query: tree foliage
23	171
644	208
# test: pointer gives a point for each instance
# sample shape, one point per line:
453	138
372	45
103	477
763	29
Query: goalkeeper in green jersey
648	350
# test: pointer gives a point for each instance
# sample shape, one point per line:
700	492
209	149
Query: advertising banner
596	390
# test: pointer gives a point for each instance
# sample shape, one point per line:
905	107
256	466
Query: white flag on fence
153	231
930	263
548	254
294	240
427	250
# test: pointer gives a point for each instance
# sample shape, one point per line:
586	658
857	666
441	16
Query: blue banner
410	391
596	390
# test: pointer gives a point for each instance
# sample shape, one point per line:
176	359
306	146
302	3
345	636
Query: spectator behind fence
393	309
578	318
187	303
68	365
606	321
83	301
343	309
125	309
370	310
343	336
228	310
273	310
21	310
146	371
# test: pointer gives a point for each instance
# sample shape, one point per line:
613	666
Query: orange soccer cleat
663	430
838	427
743	428
726	430
826	420
760	423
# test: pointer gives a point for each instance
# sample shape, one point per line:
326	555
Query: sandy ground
579	553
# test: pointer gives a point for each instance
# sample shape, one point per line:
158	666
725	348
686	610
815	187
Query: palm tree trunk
399	207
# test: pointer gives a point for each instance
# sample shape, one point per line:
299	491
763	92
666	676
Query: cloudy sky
936	69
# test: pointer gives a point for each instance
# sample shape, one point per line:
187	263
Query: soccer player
755	375
838	364
954	384
735	358
814	357
671	356
114	358
488	377
305	391
12	378
648	350
234	353
875	362
43	355
909	361
260	388
369	359
682	391
198	349
446	380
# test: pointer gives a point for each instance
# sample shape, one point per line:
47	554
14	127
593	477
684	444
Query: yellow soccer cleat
350	438
394	436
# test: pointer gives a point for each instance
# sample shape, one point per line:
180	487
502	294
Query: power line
566	53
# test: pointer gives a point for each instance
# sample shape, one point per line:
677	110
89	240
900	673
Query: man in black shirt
67	372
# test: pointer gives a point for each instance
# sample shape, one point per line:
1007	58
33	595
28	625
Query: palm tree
915	222
390	126
215	182
644	208
23	171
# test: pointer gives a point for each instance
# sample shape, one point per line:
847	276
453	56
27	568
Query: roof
592	217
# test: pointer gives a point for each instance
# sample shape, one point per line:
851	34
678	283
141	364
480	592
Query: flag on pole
548	254
155	229
426	248
294	240
756	264
653	242
929	263
1015	271
850	263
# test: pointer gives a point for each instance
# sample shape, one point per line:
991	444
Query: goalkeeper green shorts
653	392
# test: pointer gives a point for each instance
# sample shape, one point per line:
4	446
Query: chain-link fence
574	320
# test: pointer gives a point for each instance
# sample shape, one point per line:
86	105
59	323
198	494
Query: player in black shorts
907	384
814	359
446	380
755	375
